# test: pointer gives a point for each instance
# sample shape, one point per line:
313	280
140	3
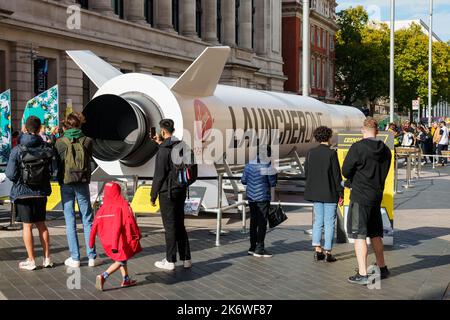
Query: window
2	71
313	77
198	17
117	6
331	43
324	73
312	35
319	38
238	5
324	39
83	3
253	23
219	20
149	12
175	15
319	74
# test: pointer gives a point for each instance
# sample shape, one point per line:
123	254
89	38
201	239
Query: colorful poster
46	107
5	126
345	141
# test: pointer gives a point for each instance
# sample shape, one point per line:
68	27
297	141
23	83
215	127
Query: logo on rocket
203	118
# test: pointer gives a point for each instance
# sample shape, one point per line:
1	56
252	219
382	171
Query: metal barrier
219	210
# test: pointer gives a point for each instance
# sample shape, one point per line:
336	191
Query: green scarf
73	134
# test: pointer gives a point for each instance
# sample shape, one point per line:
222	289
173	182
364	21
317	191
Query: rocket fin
97	69
203	75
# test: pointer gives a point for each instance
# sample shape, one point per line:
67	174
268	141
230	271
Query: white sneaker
95	262
72	263
164	264
187	264
47	263
28	264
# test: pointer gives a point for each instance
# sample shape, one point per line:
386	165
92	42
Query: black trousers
440	148
172	213
259	212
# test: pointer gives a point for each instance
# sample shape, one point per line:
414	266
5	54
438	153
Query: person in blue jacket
259	176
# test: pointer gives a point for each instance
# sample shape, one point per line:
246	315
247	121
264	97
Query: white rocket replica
126	106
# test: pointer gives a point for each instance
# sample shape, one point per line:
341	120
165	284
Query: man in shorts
30	200
366	166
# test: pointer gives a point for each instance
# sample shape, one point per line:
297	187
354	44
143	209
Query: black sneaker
319	256
251	251
262	253
359	279
384	272
330	258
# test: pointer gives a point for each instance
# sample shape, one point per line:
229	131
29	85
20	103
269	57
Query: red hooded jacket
116	226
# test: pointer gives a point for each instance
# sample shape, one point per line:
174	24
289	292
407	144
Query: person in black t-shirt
367	165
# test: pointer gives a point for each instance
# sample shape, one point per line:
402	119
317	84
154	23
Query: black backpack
183	174
35	166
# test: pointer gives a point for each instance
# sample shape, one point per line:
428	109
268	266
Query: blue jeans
324	216
82	194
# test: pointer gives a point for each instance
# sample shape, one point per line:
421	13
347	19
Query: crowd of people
431	140
33	159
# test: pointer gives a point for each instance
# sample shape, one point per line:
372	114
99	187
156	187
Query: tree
362	63
411	68
362	70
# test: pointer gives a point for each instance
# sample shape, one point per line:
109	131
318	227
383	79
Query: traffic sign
415	104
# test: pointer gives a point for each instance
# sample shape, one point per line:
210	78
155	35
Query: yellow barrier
54	200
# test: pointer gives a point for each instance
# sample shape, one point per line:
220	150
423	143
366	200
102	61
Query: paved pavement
419	260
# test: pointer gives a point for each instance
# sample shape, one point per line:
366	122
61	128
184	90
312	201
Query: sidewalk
419	260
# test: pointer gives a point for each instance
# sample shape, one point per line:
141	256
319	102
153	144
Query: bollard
219	209
244	213
396	191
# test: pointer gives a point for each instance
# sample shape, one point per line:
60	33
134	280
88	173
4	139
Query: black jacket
163	167
323	175
20	190
367	166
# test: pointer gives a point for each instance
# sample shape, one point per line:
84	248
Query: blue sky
407	10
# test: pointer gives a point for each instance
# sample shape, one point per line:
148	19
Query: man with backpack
170	184
29	168
74	151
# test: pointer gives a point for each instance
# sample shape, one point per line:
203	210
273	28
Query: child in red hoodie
118	233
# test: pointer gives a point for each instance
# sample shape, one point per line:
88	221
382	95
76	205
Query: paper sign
141	201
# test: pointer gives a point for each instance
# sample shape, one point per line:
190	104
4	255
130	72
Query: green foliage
362	62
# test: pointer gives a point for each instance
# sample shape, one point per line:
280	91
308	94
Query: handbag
276	216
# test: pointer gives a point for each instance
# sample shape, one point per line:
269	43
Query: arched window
176	15
219	20
198	17
149	12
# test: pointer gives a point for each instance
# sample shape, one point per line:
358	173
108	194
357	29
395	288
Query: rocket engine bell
126	106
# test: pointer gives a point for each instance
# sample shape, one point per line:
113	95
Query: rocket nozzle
119	127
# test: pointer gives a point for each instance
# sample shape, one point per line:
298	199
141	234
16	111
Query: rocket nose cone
118	127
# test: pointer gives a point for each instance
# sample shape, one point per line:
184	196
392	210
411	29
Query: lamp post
430	62
306	74
391	66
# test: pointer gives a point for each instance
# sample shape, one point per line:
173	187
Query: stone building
323	28
160	37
